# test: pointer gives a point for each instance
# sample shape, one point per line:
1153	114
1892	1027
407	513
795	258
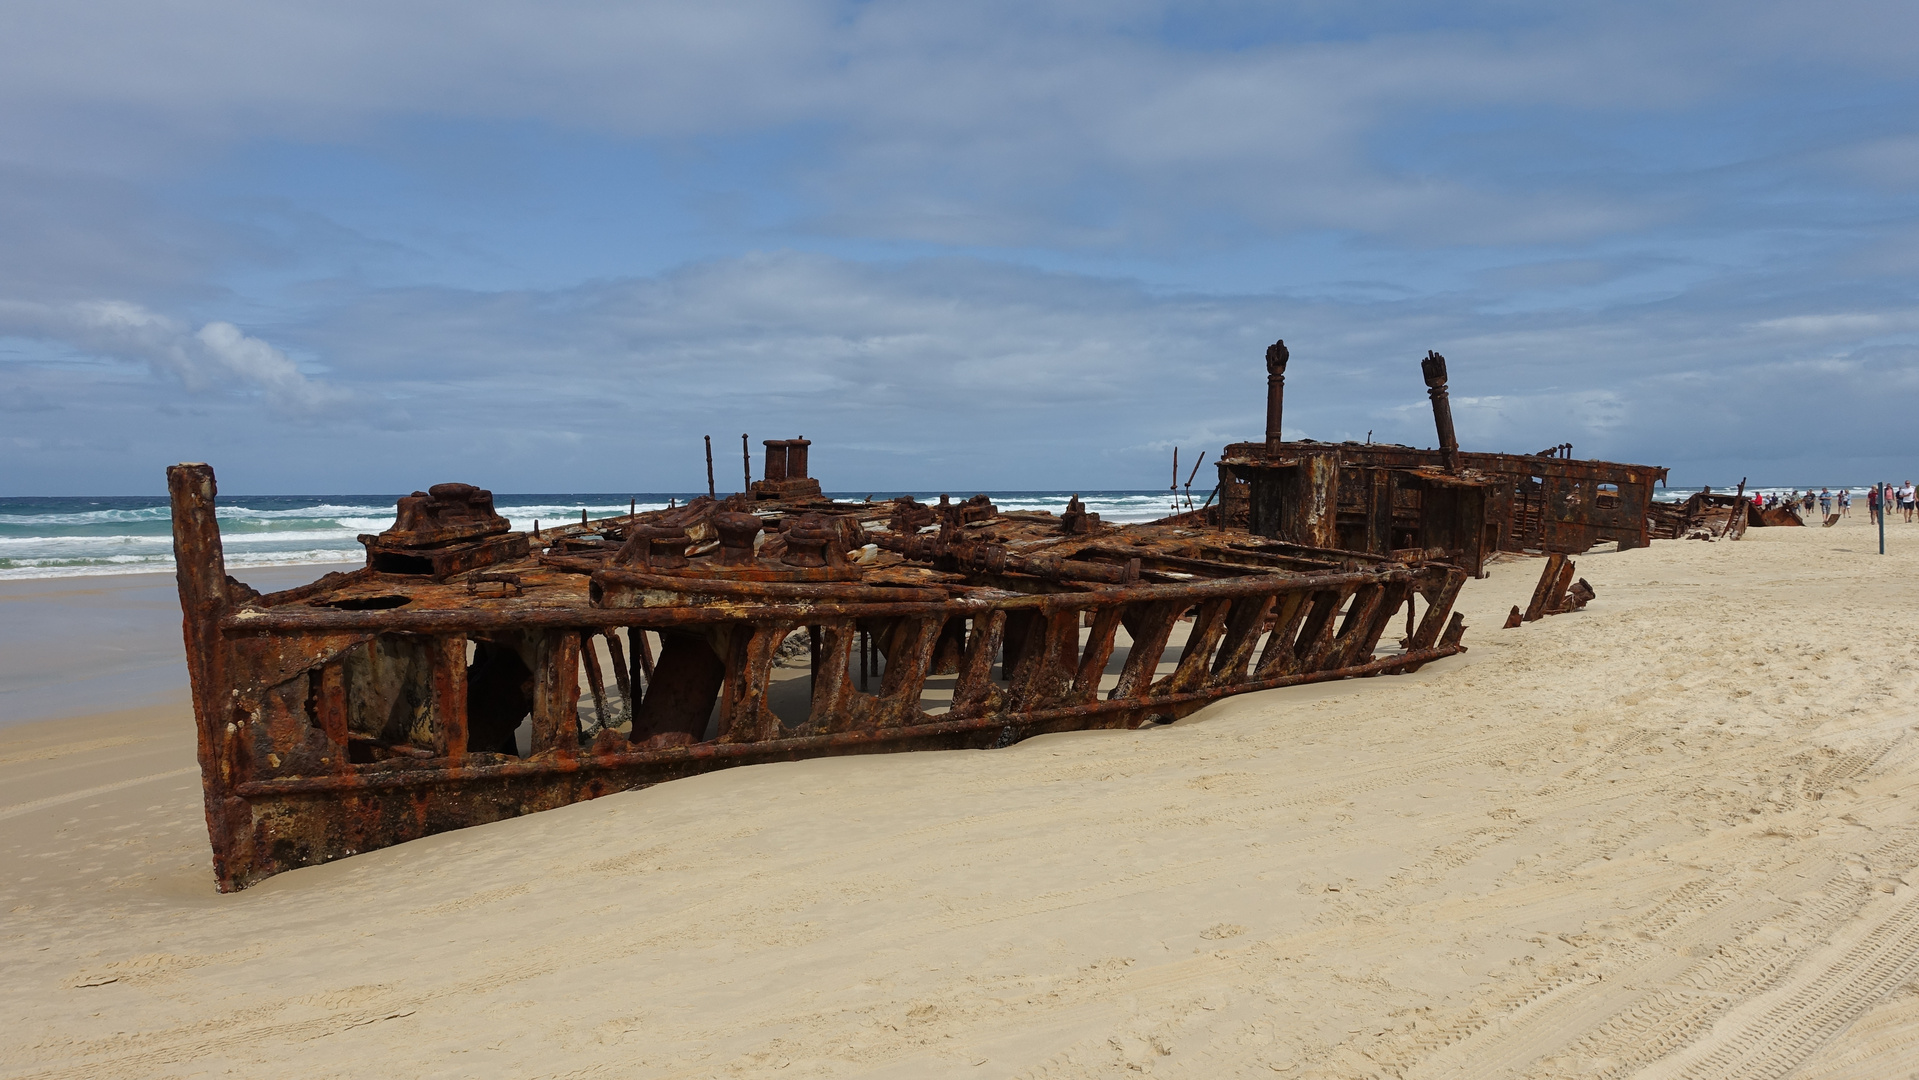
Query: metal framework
462	676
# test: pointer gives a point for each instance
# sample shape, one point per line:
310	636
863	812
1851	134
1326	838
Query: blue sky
367	247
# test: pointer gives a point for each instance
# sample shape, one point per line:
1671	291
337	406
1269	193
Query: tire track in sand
1772	1035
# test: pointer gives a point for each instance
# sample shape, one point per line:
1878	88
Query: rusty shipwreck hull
1460	505
1543	504
375	707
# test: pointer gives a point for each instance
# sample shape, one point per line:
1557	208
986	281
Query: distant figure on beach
1905	500
1845	502
1825	501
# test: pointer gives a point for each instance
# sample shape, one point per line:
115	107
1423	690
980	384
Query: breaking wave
81	536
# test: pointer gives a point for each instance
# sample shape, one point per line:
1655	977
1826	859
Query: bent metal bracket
471	673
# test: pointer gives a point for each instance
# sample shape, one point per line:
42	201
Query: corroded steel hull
391	703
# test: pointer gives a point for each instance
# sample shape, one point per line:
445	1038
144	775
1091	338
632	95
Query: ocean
83	535
80	536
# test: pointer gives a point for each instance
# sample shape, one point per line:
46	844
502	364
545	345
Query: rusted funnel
1434	369
1276	357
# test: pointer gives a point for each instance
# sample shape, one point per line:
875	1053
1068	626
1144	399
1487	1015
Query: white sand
1669	834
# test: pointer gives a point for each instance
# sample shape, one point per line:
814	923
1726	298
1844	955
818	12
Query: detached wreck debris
1710	515
1555	594
442	685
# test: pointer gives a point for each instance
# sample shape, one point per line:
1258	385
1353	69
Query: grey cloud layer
947	123
965	373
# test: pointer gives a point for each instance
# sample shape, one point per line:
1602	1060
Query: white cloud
1844	324
216	358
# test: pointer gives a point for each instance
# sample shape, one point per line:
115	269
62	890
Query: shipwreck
469	672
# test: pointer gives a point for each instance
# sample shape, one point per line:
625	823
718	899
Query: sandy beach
1672	835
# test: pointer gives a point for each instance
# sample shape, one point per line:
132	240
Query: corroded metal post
200	570
1434	369
1276	357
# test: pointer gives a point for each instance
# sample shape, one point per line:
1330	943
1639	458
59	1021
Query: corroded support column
1434	369
1276	357
200	570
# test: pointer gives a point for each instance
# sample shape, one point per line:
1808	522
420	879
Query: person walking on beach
1825	501
1905	500
1872	504
1845	502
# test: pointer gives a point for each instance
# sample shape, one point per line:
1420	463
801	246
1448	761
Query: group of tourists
1899	500
1804	501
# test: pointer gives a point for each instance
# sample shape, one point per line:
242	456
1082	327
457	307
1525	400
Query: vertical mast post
1276	357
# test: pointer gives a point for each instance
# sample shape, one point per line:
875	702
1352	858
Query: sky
367	247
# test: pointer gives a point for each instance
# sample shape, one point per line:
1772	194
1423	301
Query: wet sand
1672	836
74	646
